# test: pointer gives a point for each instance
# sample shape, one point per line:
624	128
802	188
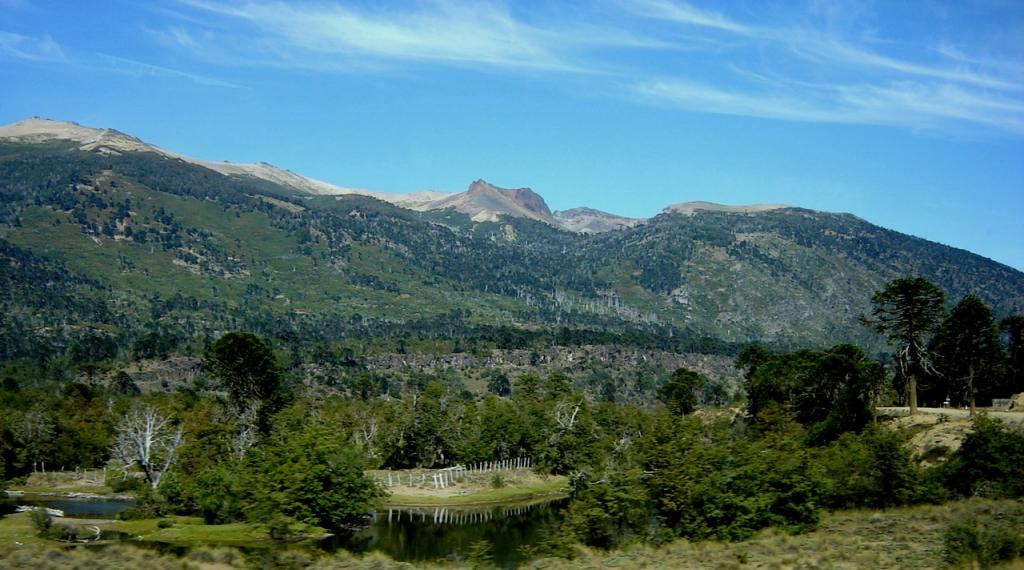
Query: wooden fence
446	477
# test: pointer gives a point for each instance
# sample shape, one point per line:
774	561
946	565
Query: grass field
514	486
911	537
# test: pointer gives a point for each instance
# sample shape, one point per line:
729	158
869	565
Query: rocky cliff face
591	221
557	358
484	202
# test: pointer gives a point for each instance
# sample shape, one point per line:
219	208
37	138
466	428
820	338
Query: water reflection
454	516
72	507
418	534
406	534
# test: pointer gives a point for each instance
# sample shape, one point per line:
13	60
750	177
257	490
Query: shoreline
516	492
407	502
14	493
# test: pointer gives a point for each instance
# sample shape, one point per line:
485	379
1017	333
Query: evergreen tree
967	349
1013	326
248	370
908	311
680	393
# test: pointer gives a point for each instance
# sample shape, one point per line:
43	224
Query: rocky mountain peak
487	202
524	197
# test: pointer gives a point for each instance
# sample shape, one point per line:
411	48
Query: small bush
480	555
983	542
497	481
990	463
42	521
124	482
148	505
283	527
46	528
870	469
219	556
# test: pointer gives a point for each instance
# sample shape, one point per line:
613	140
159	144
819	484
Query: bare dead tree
565	414
245	430
365	436
34	430
147	439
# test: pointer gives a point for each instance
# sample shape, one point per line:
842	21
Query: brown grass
898	538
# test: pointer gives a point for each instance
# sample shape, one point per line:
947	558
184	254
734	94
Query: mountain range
482	201
104	236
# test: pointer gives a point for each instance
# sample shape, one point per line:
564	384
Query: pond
72	507
405	534
421	534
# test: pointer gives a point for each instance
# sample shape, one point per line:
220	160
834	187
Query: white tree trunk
147	439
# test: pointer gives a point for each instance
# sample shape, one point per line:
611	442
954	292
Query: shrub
42	522
479	555
985	542
497	481
990	462
710	482
148	505
872	469
609	512
124	482
311	476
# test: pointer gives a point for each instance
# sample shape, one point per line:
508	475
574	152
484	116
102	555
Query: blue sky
908	114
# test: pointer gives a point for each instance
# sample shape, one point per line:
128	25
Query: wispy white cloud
819	44
710	99
182	37
43	49
865	85
682	13
31	48
135	68
909	104
485	34
829	49
820	65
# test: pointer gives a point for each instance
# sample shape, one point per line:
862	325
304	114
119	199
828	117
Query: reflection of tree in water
445	533
456	516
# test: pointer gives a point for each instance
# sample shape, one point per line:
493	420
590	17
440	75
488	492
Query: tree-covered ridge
184	252
44	303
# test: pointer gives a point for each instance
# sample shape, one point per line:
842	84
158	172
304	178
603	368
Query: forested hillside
141	254
281	347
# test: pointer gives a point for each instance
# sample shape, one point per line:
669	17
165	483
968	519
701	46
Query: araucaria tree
967	349
147	439
246	367
679	393
908	311
247	370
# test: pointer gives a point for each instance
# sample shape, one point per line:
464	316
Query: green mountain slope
157	253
